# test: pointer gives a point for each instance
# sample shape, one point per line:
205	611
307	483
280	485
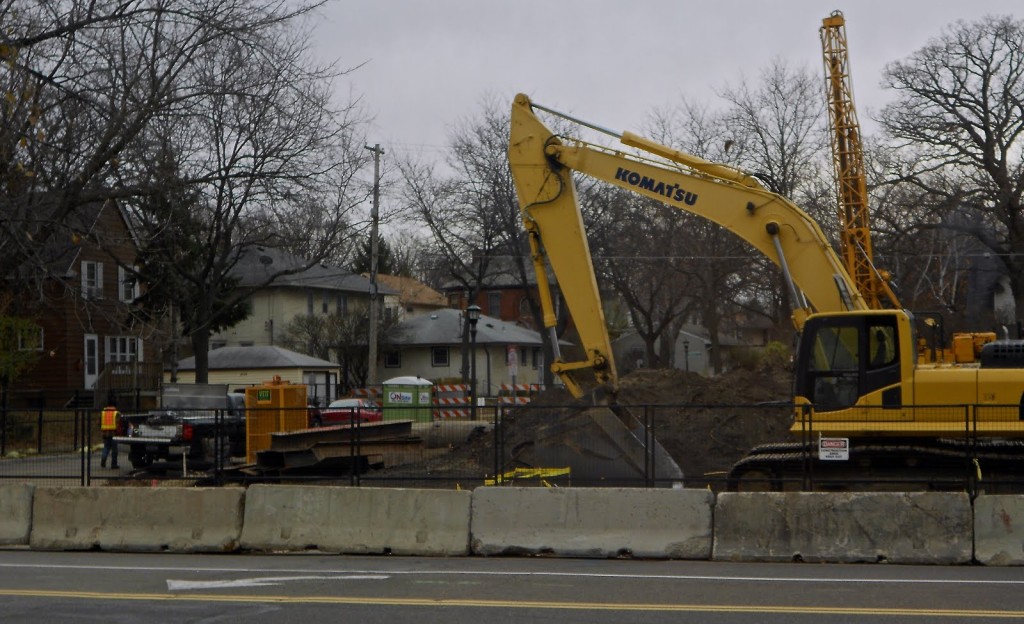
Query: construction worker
108	428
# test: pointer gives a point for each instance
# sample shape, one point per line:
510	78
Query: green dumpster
408	398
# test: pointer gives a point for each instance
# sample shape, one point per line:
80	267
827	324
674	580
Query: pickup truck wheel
140	460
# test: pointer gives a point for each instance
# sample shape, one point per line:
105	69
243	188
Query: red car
346	411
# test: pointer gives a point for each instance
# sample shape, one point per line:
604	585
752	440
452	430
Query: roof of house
444	327
59	250
501	274
412	291
237	358
257	264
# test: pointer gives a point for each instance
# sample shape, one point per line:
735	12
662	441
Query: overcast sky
427	64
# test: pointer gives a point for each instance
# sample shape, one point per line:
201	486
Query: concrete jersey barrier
15	513
592	522
911	528
999	530
357	520
136	519
914	528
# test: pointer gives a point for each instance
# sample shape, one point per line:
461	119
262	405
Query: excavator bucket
601	445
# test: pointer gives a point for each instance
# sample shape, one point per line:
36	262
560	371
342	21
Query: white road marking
265	581
478	573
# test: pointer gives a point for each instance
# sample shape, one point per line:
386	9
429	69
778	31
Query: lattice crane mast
848	159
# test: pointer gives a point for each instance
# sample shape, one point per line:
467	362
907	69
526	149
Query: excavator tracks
991	466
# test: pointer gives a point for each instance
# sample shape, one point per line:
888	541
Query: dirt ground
705	424
725	417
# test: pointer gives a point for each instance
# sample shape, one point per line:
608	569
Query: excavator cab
845	357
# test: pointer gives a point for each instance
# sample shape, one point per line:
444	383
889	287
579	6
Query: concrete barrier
922	527
592	522
15	513
999	530
137	519
357	520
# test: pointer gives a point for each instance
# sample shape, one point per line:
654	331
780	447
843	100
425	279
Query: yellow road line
518	604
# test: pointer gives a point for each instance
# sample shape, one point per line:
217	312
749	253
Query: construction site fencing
719	447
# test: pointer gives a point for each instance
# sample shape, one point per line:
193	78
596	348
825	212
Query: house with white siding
318	290
432	346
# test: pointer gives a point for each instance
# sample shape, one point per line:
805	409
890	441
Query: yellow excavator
859	386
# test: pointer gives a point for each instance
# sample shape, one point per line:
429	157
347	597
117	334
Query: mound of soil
710	423
705	424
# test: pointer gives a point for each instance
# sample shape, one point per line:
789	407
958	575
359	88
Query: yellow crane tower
854	216
848	159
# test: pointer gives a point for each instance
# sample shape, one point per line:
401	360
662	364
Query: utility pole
371	377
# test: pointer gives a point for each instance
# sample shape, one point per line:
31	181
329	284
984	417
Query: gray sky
429	63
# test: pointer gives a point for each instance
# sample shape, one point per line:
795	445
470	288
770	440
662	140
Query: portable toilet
408	398
270	407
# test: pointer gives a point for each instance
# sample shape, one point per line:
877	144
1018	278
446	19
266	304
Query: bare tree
957	123
339	336
87	79
472	211
268	162
415	256
638	266
776	127
209	121
937	266
775	131
771	129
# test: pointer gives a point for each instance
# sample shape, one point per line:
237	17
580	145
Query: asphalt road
143	588
59	469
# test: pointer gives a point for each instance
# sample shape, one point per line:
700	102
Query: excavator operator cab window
833	367
842	358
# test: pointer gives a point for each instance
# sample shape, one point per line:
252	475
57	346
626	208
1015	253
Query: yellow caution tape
529	473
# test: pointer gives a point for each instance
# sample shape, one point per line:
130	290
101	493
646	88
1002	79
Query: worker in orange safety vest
108	428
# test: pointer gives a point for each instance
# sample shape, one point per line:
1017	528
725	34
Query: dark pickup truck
195	424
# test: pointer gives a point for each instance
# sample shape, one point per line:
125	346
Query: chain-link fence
717	447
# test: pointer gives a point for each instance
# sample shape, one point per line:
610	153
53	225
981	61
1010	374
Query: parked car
346	411
313	413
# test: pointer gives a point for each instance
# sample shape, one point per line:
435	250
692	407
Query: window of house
393	359
124	349
325	306
389	314
524	308
217	344
91	357
309	303
537	358
92	280
341	305
127	289
439	356
494	304
30	339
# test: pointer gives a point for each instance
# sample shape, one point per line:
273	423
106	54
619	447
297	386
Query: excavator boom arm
542	165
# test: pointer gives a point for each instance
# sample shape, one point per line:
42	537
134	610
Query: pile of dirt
705	423
708	424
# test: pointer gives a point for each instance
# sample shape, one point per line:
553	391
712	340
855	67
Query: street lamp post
473	316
